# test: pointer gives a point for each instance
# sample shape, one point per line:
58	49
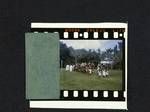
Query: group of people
90	68
103	70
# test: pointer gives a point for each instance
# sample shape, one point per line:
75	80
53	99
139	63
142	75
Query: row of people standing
100	70
81	67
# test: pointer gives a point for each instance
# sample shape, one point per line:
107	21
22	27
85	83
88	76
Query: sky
91	44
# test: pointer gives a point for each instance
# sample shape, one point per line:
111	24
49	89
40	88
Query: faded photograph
91	64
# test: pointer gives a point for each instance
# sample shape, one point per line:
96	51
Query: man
107	69
67	67
104	70
90	68
99	70
70	68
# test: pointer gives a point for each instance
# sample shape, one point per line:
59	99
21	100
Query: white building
106	62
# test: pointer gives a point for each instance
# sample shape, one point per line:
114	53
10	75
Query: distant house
106	62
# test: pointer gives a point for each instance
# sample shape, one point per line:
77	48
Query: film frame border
103	95
104	34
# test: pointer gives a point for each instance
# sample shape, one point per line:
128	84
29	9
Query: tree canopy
69	55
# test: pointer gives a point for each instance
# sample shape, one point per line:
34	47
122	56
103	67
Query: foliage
69	55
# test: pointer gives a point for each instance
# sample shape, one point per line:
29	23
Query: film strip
88	32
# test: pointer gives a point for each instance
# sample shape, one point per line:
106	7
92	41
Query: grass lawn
83	81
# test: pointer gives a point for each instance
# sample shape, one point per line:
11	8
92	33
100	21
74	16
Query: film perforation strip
93	35
100	33
98	95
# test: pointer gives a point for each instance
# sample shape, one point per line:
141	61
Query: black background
15	19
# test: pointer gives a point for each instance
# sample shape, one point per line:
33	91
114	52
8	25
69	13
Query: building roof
106	62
